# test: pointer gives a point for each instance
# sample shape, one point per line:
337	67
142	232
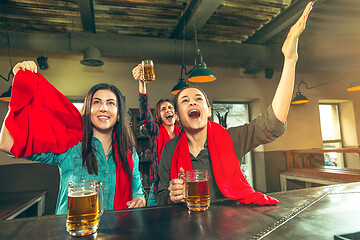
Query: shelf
143	144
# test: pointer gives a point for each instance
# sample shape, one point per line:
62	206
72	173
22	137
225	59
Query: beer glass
148	70
84	211
197	195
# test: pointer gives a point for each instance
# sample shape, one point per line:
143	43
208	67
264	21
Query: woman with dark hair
42	125
206	145
161	128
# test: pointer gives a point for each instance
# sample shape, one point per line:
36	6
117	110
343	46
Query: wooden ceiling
331	40
228	21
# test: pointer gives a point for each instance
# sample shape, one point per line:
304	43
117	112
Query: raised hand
25	65
289	48
137	72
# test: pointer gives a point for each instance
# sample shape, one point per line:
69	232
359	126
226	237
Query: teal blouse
70	169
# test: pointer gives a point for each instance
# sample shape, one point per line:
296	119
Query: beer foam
84	193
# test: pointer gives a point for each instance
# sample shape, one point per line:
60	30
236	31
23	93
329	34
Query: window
77	103
331	133
232	114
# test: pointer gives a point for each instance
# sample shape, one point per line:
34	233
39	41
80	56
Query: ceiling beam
215	54
196	13
87	15
280	22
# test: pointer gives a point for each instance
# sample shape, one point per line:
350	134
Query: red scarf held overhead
41	119
225	166
164	137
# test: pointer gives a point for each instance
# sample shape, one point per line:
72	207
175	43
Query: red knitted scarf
41	119
163	138
225	166
123	188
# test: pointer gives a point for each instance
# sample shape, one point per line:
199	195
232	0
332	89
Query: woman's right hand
177	191
25	65
177	188
137	72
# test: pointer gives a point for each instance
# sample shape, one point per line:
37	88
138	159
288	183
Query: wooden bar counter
314	213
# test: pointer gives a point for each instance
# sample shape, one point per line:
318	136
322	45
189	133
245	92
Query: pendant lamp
181	82
354	86
201	73
6	96
299	99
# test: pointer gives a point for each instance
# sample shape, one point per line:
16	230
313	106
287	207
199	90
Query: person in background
208	146
160	127
42	125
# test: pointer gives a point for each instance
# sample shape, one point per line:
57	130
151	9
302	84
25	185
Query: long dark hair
157	115
123	135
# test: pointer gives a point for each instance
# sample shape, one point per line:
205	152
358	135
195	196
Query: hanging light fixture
354	86
181	82
300	98
6	96
200	73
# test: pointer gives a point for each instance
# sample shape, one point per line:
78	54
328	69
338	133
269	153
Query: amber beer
197	195
148	70
83	214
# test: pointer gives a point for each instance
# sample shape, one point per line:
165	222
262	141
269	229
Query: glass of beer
197	195
148	70
84	211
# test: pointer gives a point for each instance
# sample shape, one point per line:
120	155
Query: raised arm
283	94
6	140
145	114
138	76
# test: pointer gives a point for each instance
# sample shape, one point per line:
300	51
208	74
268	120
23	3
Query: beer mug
84	211
197	195
148	70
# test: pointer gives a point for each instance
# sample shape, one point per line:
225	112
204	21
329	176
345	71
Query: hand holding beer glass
148	71
197	196
83	214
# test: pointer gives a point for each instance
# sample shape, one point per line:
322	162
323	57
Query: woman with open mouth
161	128
205	145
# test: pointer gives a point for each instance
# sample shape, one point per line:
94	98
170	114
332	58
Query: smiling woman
96	145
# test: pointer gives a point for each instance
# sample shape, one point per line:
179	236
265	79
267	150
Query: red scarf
164	137
123	188
225	166
41	119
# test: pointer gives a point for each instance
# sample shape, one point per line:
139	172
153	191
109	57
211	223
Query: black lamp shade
201	74
180	85
299	99
6	96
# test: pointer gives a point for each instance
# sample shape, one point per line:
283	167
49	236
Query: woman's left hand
136	202
289	47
